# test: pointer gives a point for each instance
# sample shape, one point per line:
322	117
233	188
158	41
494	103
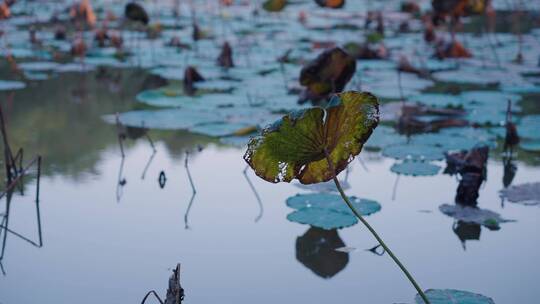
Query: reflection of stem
152	292
194	191
363	164
373	232
394	189
186	164
186	215
259	201
121	181
150	141
148	164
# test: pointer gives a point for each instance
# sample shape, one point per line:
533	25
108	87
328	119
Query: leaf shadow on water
316	250
257	197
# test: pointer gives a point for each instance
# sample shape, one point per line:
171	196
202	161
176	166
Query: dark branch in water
175	292
259	201
152	292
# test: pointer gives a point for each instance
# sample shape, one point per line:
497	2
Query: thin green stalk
359	216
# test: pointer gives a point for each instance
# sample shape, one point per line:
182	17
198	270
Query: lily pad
168	119
218	129
475	215
8	85
414	152
332	202
528	127
453	296
294	146
322	218
438	100
415	168
526	194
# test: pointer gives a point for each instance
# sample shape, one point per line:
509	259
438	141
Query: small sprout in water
314	145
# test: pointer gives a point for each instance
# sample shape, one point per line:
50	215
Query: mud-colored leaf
274	5
328	73
294	146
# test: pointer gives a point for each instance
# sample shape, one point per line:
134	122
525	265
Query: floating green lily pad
332	202
453	296
323	218
218	129
528	127
414	152
415	168
168	119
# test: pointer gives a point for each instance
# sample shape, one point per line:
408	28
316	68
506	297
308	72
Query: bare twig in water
259	201
175	292
152	292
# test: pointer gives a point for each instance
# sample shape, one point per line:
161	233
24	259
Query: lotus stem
368	226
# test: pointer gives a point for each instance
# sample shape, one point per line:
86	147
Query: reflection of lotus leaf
316	249
332	202
469	214
415	168
452	296
527	194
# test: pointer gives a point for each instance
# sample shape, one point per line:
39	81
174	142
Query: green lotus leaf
452	296
295	145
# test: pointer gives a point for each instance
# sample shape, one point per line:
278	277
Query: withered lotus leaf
328	73
296	145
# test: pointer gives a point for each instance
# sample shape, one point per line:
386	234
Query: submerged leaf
294	146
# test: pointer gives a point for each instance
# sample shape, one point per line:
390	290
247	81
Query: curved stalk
368	226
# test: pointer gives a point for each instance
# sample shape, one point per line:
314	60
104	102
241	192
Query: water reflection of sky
114	252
